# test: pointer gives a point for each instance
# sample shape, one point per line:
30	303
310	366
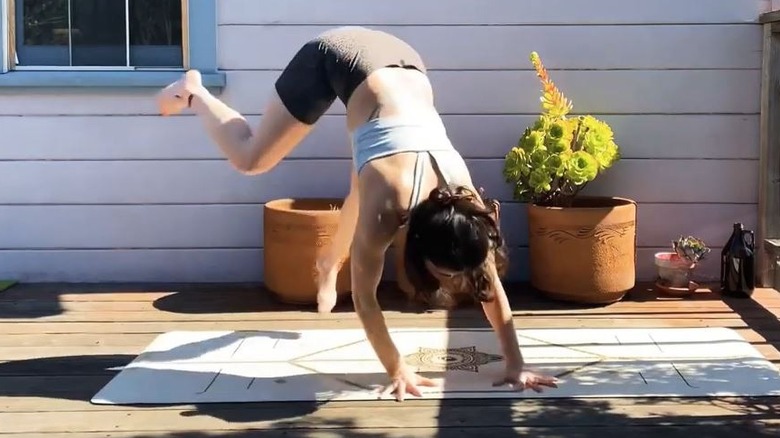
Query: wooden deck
59	343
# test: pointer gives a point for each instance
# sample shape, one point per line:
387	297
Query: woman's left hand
521	379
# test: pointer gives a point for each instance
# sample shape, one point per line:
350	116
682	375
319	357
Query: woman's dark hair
451	230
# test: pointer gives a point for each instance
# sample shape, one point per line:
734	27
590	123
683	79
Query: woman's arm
499	314
376	228
367	263
367	258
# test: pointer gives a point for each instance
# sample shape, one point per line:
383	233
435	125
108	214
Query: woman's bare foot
174	98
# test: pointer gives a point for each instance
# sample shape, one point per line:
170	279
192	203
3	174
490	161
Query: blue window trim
203	57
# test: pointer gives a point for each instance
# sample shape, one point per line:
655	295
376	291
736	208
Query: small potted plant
581	248
675	268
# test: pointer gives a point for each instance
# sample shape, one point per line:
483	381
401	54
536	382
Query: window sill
101	79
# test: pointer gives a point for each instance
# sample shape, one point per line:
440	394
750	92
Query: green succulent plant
690	248
558	156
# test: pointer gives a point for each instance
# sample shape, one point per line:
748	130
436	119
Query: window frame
199	51
5	36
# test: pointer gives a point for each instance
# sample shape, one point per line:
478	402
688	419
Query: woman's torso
379	76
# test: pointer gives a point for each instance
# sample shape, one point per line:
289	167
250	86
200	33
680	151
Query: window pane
42	32
97	35
155	33
98	32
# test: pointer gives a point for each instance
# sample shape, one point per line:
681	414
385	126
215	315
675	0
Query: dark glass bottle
737	263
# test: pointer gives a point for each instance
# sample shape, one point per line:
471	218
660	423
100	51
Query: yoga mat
321	365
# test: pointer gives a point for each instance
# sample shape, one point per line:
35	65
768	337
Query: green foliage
557	156
690	248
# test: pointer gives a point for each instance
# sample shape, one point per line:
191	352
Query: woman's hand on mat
521	379
406	381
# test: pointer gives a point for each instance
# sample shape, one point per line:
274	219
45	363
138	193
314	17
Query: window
98	33
83	43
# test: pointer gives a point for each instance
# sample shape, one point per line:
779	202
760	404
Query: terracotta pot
296	233
585	253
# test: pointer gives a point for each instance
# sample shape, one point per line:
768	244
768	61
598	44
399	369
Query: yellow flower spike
554	103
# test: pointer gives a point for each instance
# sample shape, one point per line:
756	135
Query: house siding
96	187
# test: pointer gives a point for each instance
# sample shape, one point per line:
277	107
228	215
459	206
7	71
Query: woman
401	152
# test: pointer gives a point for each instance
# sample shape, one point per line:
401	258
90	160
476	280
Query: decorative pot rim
284	204
613	201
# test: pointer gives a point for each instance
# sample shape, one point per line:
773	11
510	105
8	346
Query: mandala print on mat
450	359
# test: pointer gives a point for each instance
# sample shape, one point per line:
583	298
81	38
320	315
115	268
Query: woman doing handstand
401	151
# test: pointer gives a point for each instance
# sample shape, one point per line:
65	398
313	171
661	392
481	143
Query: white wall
96	187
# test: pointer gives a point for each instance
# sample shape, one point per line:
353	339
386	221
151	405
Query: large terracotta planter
585	253
296	233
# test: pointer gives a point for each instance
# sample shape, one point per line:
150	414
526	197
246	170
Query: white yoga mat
322	365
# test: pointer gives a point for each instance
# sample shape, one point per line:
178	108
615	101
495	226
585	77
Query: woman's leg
328	266
250	153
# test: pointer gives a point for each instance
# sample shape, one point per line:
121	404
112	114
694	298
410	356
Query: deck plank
62	343
752	429
421	416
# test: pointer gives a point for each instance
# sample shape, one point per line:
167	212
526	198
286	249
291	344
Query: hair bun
448	196
442	196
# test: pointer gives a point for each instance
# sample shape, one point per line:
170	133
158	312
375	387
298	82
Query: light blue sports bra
385	136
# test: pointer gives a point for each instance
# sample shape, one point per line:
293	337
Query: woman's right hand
406	381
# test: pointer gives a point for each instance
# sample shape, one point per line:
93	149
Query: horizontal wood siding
97	187
714	91
496	12
52	227
642	136
465	47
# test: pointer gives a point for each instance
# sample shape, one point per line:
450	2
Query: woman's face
454	281
440	273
